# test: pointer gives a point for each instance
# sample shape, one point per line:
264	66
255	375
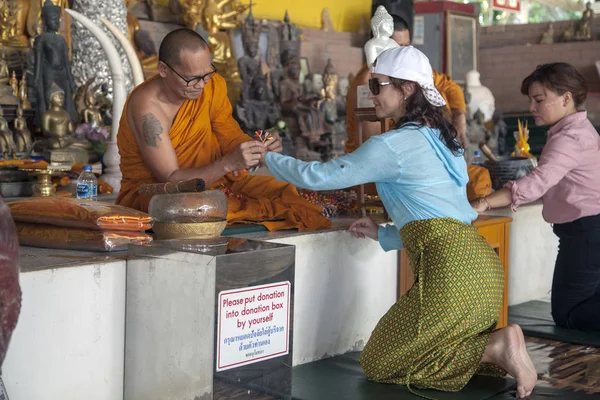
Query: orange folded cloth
76	213
56	237
480	182
29	164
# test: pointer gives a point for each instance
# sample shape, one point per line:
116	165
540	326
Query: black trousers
576	281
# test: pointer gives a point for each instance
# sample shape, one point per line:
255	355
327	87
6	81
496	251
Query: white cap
408	63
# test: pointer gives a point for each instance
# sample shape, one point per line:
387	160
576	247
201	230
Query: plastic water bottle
477	159
87	184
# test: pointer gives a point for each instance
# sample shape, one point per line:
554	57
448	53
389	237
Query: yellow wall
345	14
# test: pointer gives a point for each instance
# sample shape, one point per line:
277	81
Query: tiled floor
566	366
559	365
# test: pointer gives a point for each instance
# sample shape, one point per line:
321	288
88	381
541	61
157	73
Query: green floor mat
535	319
342	378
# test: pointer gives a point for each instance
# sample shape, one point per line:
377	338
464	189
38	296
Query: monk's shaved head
177	41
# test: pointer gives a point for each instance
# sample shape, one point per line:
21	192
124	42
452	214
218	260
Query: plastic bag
10	291
55	237
74	213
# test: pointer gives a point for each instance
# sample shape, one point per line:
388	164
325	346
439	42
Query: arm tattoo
151	129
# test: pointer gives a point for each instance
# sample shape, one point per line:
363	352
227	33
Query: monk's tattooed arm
151	129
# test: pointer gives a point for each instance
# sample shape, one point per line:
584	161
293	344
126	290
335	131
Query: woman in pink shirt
568	181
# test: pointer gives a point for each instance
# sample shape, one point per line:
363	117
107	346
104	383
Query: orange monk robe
204	131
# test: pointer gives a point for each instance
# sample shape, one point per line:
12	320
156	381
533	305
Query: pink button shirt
567	177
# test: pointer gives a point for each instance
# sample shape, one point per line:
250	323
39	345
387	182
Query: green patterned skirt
435	335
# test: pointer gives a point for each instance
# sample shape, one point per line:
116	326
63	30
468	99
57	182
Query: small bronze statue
327	25
548	36
342	91
23	97
52	63
7	144
3	67
499	132
329	105
304	121
29	73
584	28
91	113
289	38
249	64
258	110
22	136
56	122
274	60
14	83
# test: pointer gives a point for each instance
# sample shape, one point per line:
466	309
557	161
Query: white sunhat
408	63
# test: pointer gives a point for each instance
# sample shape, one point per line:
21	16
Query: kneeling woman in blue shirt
441	332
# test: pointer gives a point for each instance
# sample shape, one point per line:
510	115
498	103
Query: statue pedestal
67	156
209	314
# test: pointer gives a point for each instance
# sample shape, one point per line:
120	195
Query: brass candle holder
43	186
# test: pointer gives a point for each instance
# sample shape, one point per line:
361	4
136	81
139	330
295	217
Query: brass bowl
194	230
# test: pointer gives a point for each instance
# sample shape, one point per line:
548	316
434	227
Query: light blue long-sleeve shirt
416	175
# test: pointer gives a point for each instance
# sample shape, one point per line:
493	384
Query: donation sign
253	324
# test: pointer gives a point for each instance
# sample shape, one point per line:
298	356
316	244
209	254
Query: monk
178	126
450	91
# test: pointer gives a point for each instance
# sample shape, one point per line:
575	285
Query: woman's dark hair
560	78
420	112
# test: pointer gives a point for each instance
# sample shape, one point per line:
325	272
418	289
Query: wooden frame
366	115
461	45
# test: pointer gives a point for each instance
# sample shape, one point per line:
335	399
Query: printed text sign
253	324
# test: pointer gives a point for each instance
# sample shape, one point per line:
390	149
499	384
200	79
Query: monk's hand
275	144
364	227
244	156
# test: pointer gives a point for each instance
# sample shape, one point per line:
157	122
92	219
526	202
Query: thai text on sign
253	324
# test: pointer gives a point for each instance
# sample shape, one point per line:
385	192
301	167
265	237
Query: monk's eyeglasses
196	79
375	85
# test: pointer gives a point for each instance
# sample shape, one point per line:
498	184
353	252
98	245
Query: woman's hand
479	205
364	227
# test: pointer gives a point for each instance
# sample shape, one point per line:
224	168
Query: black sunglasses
375	85
196	80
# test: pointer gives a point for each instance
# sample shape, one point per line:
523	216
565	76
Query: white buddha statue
382	25
481	97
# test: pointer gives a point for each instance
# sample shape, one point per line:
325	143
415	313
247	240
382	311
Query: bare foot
507	349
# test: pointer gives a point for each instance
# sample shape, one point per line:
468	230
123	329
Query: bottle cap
477	153
87	168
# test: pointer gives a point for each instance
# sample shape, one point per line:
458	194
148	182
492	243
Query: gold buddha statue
22	136
4	74
14	83
217	20
144	47
7	144
91	113
23	97
13	21
56	123
59	145
7	96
